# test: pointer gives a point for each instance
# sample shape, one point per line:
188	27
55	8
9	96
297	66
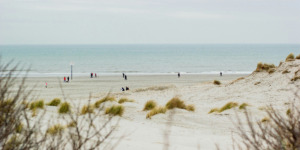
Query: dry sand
185	130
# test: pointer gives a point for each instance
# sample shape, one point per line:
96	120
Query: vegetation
213	110
298	56
153	88
37	104
264	67
227	106
105	99
175	102
64	108
243	106
56	129
290	57
87	109
156	110
295	78
271	70
115	110
149	105
190	108
123	100
54	102
285	71
217	82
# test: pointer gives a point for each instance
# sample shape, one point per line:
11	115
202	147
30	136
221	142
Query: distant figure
122	89
95	75
127	88
178	74
125	77
91	75
64	79
46	84
221	74
68	79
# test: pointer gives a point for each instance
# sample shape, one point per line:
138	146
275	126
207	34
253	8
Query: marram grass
190	107
149	105
87	109
56	129
175	102
115	110
155	111
54	102
243	106
37	104
217	82
290	57
64	108
105	99
123	100
227	106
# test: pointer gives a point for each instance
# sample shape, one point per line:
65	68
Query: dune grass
37	104
64	108
217	82
271	70
105	99
12	143
87	109
123	100
298	56
19	127
290	57
153	88
256	83
155	111
115	110
261	67
227	106
243	106
54	102
286	71
150	105
295	78
266	119
175	102
55	130
190	107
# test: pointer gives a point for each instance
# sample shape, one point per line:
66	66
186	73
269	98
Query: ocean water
55	60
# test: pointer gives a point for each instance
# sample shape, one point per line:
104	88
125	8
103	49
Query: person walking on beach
178	74
68	79
64	79
127	88
122	89
91	75
95	75
46	84
125	77
221	74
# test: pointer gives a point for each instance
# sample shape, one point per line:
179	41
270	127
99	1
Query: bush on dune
123	100
155	111
243	106
227	106
103	100
290	57
115	110
217	82
37	104
64	108
149	105
56	129
175	103
261	67
87	109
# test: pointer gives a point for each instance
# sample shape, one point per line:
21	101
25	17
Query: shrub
290	57
37	104
190	107
87	109
271	70
71	124
156	110
149	105
285	71
175	103
105	99
19	128
64	108
243	106
259	67
54	102
123	100
217	82
56	129
227	106
295	78
256	83
115	110
298	57
213	110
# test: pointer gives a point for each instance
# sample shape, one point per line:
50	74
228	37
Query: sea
143	59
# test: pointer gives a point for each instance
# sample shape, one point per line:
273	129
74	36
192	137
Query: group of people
124	76
66	79
126	88
92	75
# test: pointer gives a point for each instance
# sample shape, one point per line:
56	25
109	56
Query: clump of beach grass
286	71
71	124
265	119
64	108
271	70
19	127
54	102
298	56
227	106
153	88
243	106
290	57
115	110
213	110
175	102
123	100
87	109
37	104
150	105
55	130
261	67
295	78
12	143
190	107
256	83
105	99
155	111
217	82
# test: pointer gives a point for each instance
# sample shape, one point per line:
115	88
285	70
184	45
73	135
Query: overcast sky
149	21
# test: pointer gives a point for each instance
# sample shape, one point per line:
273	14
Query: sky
149	21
